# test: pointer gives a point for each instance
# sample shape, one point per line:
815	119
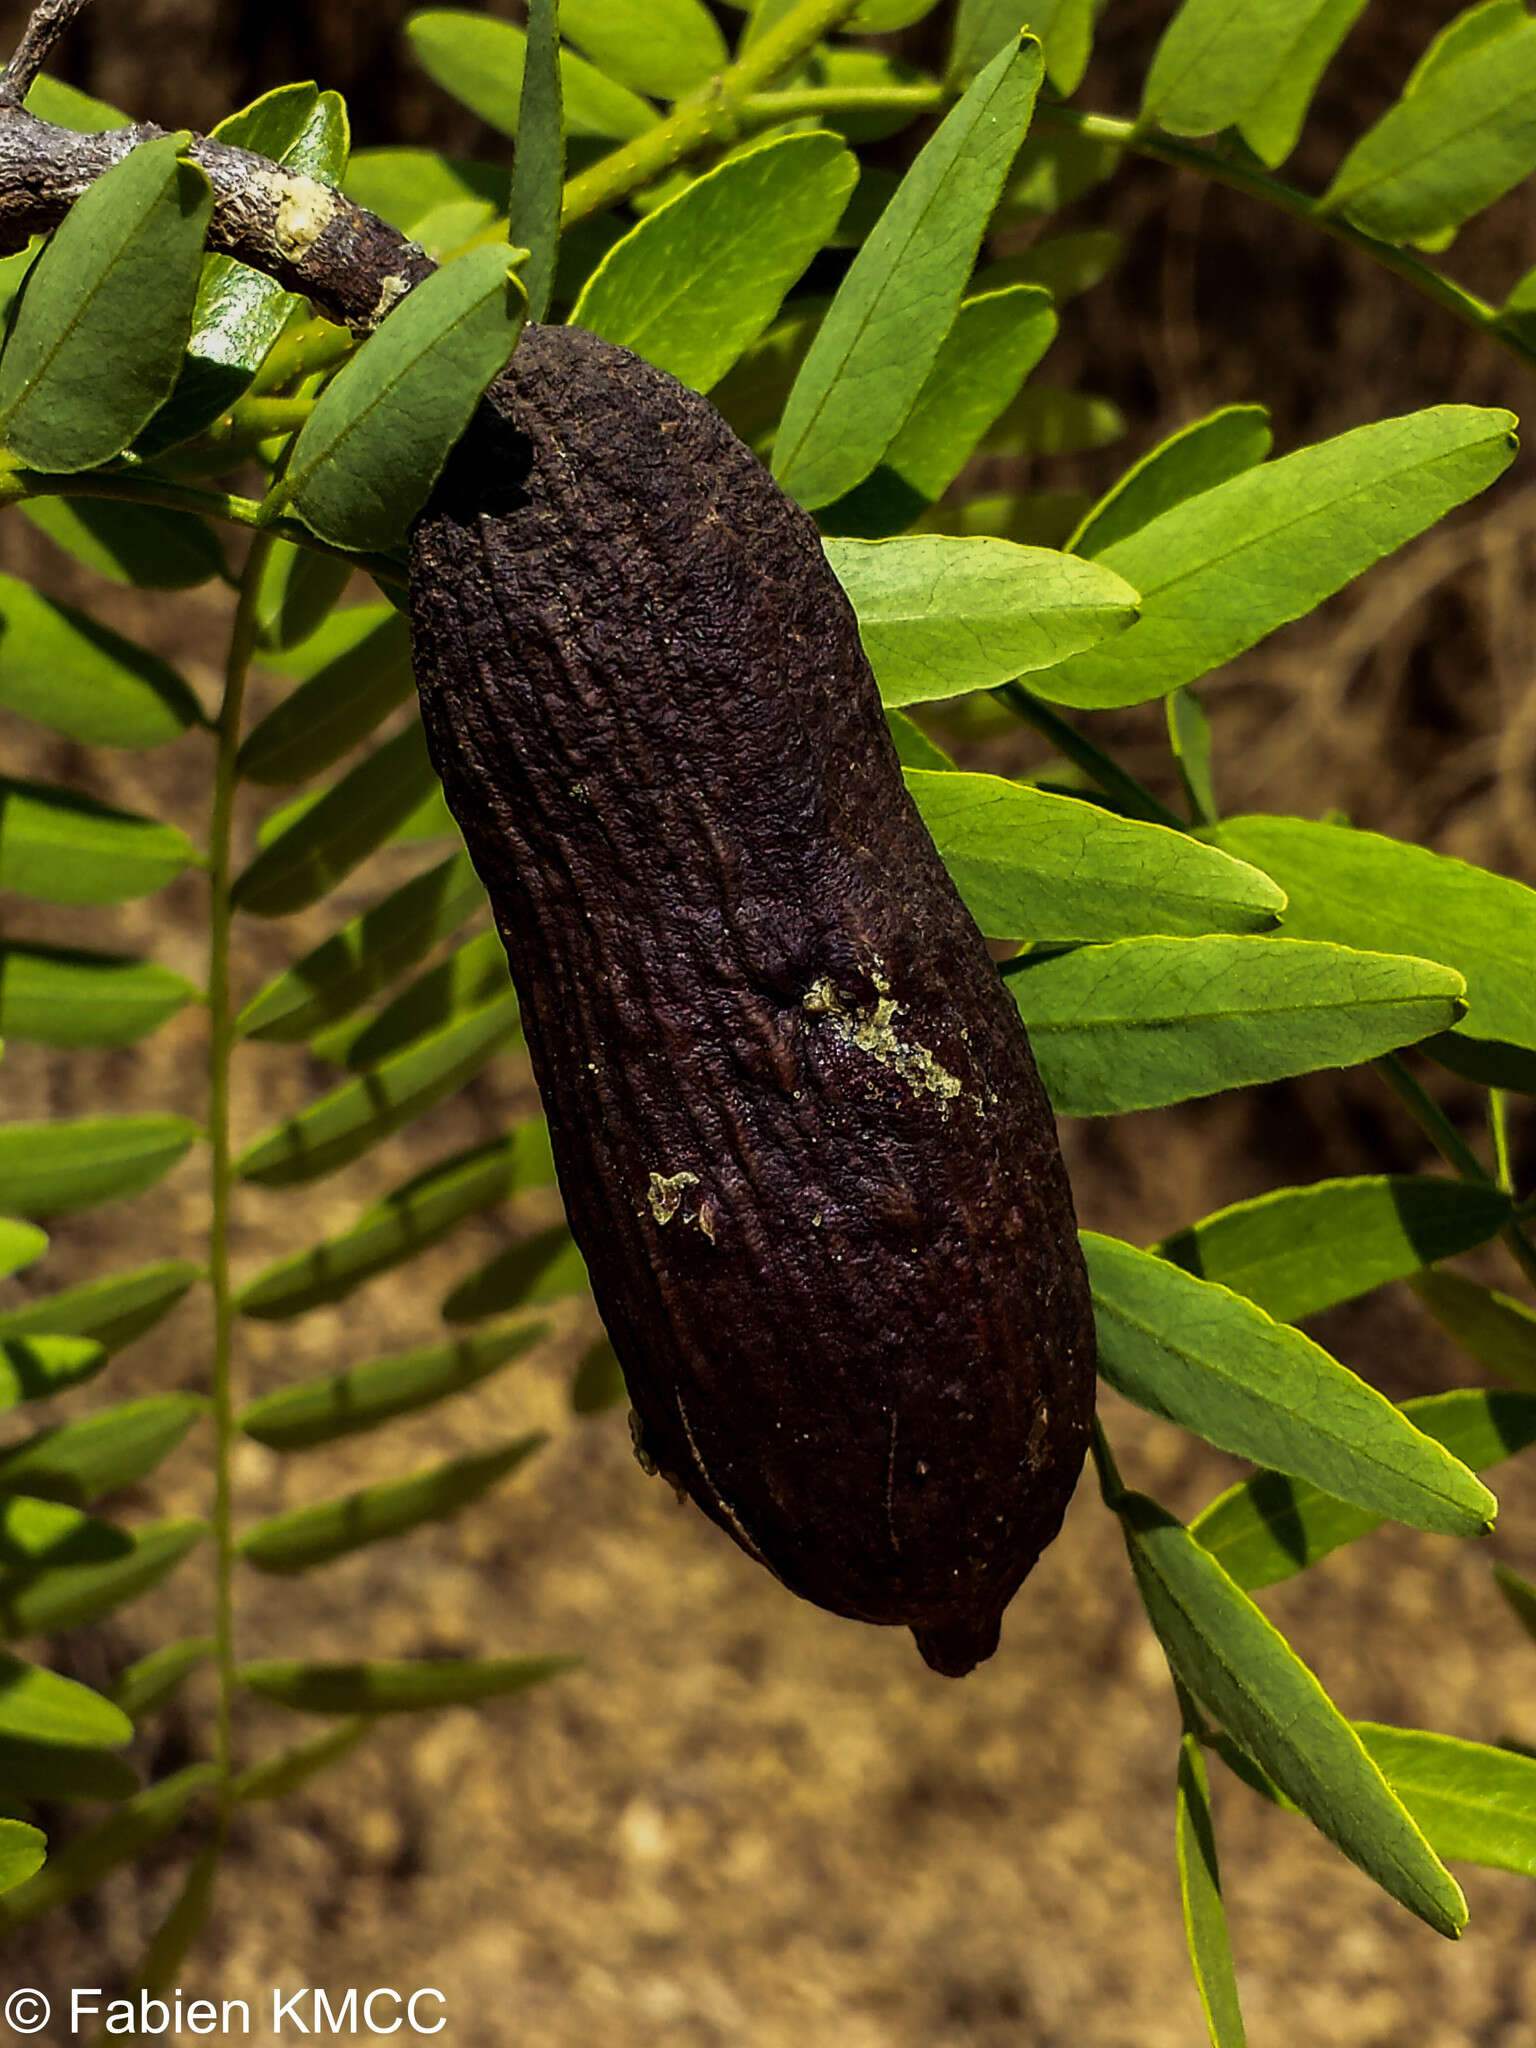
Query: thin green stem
1454	1149
221	1044
797	103
1114	780
712	116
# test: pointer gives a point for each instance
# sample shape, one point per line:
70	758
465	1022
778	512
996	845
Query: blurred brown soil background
746	1822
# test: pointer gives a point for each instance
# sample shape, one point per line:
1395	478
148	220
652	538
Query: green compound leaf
33	1368
347	1123
873	352
538	166
39	1706
55	998
697	281
1496	1330
1218	62
1473	1802
277	1776
58	667
1299	1250
546	1267
1146	1022
98	338
1271	1526
366	955
59	847
1034	866
148	546
1203	1357
131	1832
55	1169
383	427
1361	889
1234	1660
339	829
346	1403
480	61
407	1686
1271	125
1205	1917
465	981
62	1596
997	339
1220	571
343	702
1197	458
78	1462
21	1244
36	1535
940	616
112	1312
23	1850
1463	135
416	1215
662	47
147	1685
306	1537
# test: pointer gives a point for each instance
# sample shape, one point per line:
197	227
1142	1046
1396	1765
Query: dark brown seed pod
798	1129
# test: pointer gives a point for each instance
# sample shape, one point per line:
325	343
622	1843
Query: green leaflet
306	1537
239	312
1519	1594
1220	571
939	616
21	1244
1205	1918
1473	1802
1219	60
343	702
183	1925
343	1125
1360	889
23	1849
467	979
148	1684
597	1384
295	613
1203	1357
1271	125
1299	1250
148	546
1242	1668
884	17
39	1706
55	1169
1034	866
36	1535
995	342
1063	265
480	61
112	1312
276	1776
32	1368
129	1833
543	1268
67	107
57	846
1195	459
56	998
403	186
383	427
99	334
1189	735
416	1215
57	1770
538	164
61	1596
663	47
913	747
1145	1022
1047	419
1034	519
1065	29
1052	170
78	1462
339	828
695	283
403	1687
1462	137
1496	1330
343	1404
366	955
873	352
1270	1526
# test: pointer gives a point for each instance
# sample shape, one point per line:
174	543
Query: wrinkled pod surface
798	1129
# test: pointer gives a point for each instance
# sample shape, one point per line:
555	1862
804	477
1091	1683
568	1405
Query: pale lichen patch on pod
734	943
